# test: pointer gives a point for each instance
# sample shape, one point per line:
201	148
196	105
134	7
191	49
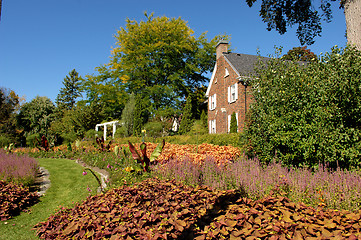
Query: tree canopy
300	54
70	92
280	14
159	59
36	116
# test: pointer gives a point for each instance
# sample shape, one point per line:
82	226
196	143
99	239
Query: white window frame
226	72
212	126
229	121
233	93
212	102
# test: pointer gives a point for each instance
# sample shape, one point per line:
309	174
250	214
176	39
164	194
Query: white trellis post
105	132
114	129
114	123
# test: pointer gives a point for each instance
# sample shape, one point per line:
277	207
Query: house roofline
235	70
211	81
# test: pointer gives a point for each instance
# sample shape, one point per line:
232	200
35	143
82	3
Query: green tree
76	122
160	59
204	119
233	125
187	117
198	101
85	117
107	89
128	115
36	116
280	14
141	115
9	103
68	94
306	115
300	54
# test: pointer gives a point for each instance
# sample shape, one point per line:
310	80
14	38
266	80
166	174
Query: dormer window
226	73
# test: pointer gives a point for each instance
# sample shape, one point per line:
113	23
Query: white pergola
114	123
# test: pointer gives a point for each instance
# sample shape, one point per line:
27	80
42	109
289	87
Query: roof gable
243	64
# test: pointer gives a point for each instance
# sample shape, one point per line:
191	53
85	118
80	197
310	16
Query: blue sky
41	41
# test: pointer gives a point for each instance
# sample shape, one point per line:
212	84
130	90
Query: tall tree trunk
1	3
353	22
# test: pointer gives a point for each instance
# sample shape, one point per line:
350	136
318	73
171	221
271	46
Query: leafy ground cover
159	209
14	198
17	169
276	217
68	186
152	209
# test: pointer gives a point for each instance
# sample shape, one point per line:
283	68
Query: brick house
227	90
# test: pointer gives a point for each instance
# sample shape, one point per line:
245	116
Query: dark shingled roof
244	63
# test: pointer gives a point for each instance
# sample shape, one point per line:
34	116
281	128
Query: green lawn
68	185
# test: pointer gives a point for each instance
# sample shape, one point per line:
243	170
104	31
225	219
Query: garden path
42	182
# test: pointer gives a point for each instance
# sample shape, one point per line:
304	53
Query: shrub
198	128
303	115
121	132
90	135
154	129
31	140
233	125
69	137
4	141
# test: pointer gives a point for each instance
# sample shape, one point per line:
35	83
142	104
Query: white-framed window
212	126
229	122
233	93
212	101
226	73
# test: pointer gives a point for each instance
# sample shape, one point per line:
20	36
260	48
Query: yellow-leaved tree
159	59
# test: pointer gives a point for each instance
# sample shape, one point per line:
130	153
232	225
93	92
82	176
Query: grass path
68	186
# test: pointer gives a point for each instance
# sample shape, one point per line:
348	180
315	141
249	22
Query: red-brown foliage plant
159	209
152	209
14	198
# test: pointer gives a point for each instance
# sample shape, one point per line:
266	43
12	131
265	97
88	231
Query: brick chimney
221	47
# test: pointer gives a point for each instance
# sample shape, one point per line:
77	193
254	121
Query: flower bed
195	153
224	168
18	169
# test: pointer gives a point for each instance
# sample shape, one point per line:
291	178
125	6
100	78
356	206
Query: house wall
220	88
